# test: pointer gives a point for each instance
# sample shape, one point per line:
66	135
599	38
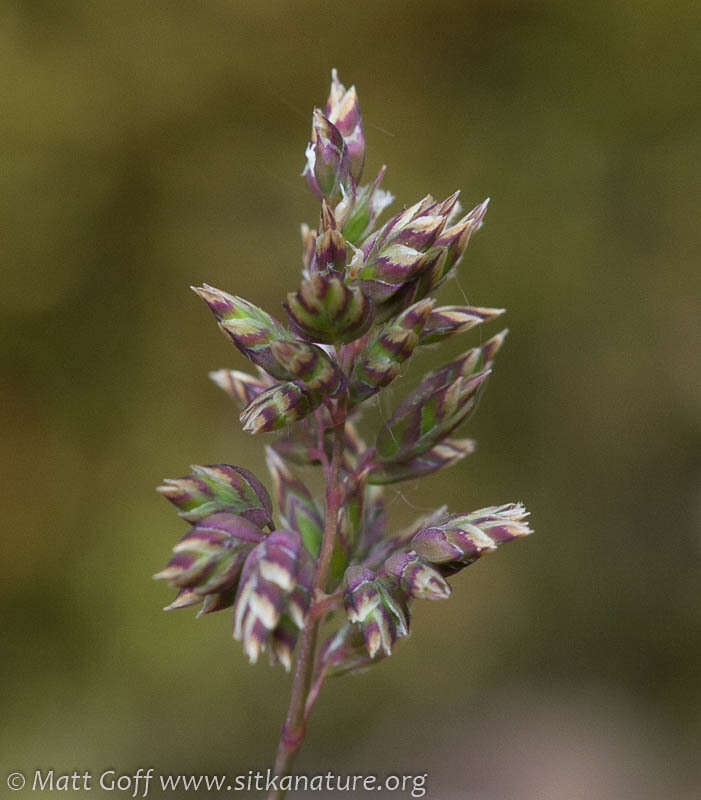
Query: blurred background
149	146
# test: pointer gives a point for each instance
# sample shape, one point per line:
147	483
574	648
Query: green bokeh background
148	146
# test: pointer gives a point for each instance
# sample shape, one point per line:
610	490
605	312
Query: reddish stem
293	728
